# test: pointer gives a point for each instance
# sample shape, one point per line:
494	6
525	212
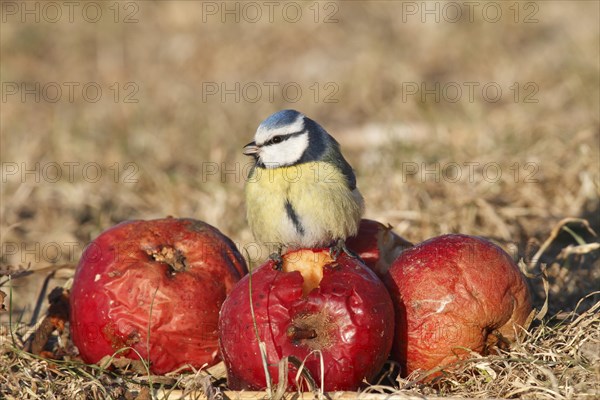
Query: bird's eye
276	139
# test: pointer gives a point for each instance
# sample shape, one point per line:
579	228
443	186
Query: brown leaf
55	319
123	364
2	297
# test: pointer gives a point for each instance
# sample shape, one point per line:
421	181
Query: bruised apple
377	245
312	304
153	288
452	294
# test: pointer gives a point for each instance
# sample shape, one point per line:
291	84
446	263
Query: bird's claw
277	259
339	247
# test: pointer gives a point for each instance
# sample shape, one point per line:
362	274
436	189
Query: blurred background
472	117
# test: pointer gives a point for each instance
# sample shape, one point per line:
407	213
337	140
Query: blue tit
300	191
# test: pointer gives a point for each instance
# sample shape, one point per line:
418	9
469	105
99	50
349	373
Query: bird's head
287	138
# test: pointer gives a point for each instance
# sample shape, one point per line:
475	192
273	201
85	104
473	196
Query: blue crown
280	119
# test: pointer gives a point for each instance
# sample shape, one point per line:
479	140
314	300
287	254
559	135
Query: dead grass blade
561	225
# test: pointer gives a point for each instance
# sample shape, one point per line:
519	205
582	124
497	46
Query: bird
300	191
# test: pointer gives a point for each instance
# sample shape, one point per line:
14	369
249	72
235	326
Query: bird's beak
251	149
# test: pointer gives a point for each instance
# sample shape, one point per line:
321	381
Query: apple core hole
171	256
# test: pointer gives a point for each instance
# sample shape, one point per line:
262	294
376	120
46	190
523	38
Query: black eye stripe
282	138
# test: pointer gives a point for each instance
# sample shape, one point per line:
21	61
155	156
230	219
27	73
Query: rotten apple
312	306
153	289
377	245
452	294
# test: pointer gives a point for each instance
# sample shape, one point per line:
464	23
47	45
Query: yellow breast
317	192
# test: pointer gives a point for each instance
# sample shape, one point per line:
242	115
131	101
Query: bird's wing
335	157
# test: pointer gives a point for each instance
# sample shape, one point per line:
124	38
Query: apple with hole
452	294
377	245
153	289
310	306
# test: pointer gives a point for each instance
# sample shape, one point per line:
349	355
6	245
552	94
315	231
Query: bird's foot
339	247
277	258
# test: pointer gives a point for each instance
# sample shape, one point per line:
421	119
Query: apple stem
296	333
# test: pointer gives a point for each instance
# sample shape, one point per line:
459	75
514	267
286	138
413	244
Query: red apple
338	307
453	293
377	245
155	287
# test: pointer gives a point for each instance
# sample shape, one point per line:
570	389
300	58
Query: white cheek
284	153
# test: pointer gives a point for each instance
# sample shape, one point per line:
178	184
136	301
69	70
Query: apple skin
452	293
350	311
377	245
125	273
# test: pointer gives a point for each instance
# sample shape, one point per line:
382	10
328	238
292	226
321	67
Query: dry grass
172	138
558	359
